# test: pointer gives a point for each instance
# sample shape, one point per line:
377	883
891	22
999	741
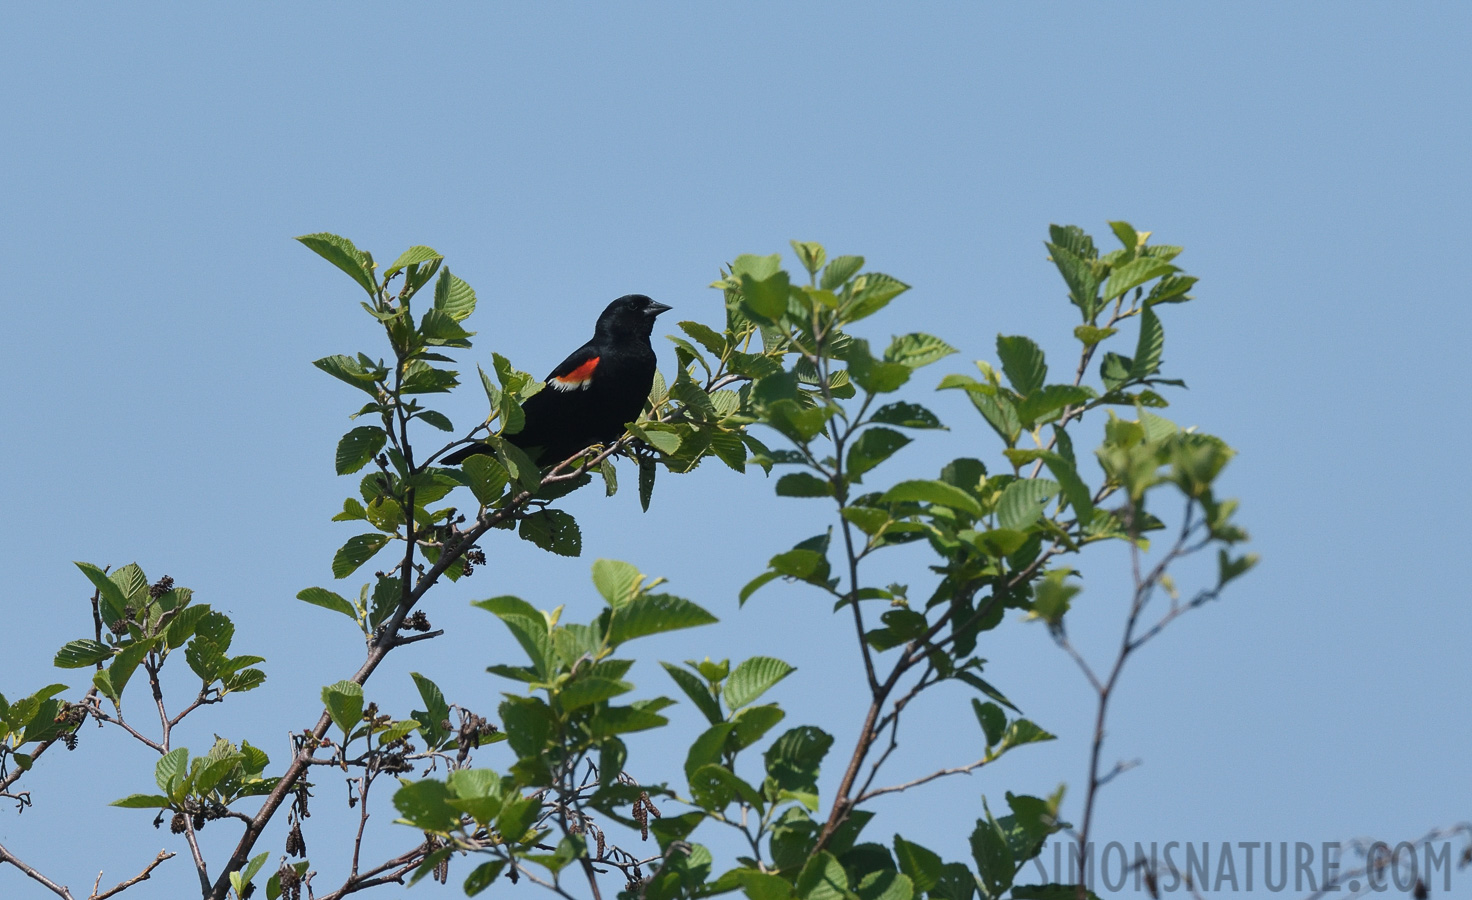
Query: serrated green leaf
803	484
917	349
358	550
341	253
344	702
652	614
1150	347
358	447
1023	363
1134	273
413	256
921	491
554	531
752	678
1022	502
82	653
822	878
696	690
142	801
906	415
616	581
328	600
794	758
872	447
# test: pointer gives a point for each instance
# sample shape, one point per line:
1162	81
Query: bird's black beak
655	308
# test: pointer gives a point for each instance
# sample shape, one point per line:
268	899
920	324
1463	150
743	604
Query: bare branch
124	885
7	857
896	788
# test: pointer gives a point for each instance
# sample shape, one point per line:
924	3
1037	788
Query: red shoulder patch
577	379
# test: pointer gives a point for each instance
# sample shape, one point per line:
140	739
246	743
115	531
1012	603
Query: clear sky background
160	406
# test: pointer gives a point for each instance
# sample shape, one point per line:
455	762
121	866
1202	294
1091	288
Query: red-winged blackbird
592	394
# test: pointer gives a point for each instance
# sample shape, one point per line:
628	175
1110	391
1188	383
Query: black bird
592	394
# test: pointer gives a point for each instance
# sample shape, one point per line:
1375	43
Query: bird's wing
576	372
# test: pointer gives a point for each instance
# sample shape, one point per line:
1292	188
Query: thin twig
124	885
7	857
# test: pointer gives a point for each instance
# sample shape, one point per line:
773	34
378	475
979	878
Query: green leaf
358	550
182	626
933	492
516	817
696	690
170	770
766	296
1150	346
1074	489
616	581
425	804
873	375
993	721
527	625
885	884
906	415
822	878
872	447
753	722
413	256
1091	335
803	484
1022	732
1023	363
589	690
350	371
487	477
453	297
993	857
811	254
80	654
142	801
1125	278
1022	502
432	721
794	758
647	471
652	614
920	864
1229	567
110	595
956	883
752	678
437	419
658	436
917	349
872	292
554	531
1052	596
621	719
344	702
483	876
713	787
328	600
341	253
839	270
1075	262
121	669
610	477
1042	404
756	584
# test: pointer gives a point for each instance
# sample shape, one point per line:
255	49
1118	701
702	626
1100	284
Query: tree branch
7	857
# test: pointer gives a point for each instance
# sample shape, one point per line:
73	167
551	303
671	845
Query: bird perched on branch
592	394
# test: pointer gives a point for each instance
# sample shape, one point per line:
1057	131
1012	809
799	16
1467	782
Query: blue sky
1312	159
